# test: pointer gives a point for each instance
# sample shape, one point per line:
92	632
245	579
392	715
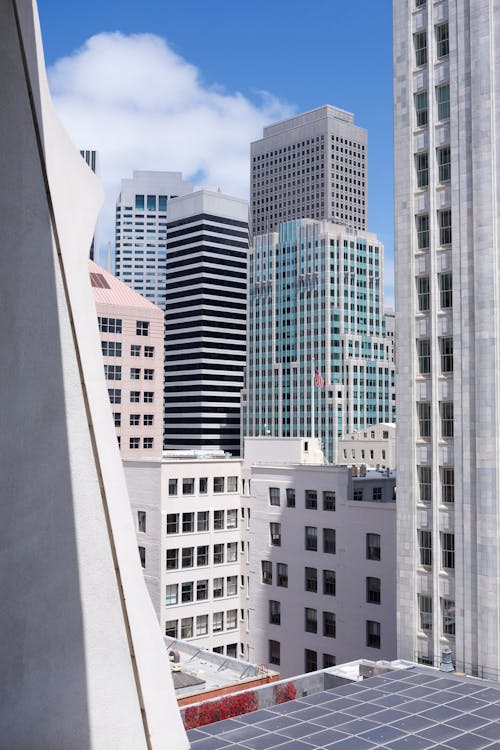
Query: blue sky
220	57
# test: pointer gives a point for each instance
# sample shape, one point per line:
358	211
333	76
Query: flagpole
312	402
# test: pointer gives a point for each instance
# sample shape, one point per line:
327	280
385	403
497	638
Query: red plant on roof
224	708
287	692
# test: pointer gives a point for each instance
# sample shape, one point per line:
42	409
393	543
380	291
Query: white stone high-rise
446	84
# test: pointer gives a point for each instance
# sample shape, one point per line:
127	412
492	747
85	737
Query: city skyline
239	99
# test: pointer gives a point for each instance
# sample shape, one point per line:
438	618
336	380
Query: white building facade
446	81
375	447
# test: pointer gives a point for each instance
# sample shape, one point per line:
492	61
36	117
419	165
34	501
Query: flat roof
409	709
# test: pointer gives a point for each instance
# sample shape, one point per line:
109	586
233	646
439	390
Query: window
149	351
218	554
425	612
134	420
329	624
187	557
141	521
139	202
275	534
171	594
203	485
445	290
311	499
444	220
172	559
424	418
446	352
231	619
218	484
217	622
448	551
290	497
425	483
377	494
142	328
442	40
187	627
172	523
171	628
424	356
135	350
357	495
202	520
310	660
422	168
202	590
188	486
329	582
274	612
311	579
329	661
420	44
218	520
372	634
421	108
117	419
328	500
329	541
147	442
443	101
446	415
148	397
274	496
133	443
135	397
311	538
231	585
111	349
267	572
232	484
187	590
187	523
274	652
115	395
202	625
373	546
147	420
373	590
148	374
422	231
310	620
282	575
202	555
444	164
142	556
423	293
232	518
448	613
232	552
447	484
425	546
419	3
135	373
109	325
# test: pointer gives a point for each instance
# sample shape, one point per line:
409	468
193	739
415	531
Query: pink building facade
131	330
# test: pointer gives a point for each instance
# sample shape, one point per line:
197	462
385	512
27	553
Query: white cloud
143	107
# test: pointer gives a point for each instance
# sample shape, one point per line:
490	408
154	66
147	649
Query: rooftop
108	290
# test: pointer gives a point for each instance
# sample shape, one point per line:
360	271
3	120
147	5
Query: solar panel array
403	710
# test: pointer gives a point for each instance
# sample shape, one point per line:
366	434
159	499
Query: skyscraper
310	166
316	303
140	233
90	158
205	320
446	80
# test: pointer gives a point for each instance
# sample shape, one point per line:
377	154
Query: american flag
319	380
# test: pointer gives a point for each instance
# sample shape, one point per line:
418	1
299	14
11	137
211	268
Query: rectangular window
328	500
202	590
373	590
187	591
446	415
139	202
442	40
134	420
447	484
172	523
290	497
425	612
151	203
310	660
445	290
142	328
310	620
275	534
142	556
135	397
446	353
425	547
218	484
267	572
311	579
274	652
423	293
311	500
424	356
203	485
329	660
218	622
424	418
135	350
231	585
147	442
231	619
373	546
115	395
372	634
448	613
141	521
282	575
329	541
422	231
109	325
448	551
420	44
202	555
187	557
274	612
329	625
232	484
188	486
443	101
357	495
117	418
444	164
424	474
329	583
134	443
232	518
171	628
149	351
135	373
422	169
171	594
444	220
202	520
218	520
421	109
377	494
311	538
202	625
274	496
232	552
172	561
218	588
147	420
148	373
148	397
187	523
111	348
218	554
162	203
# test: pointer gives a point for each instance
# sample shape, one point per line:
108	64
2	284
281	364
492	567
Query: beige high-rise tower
446	89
